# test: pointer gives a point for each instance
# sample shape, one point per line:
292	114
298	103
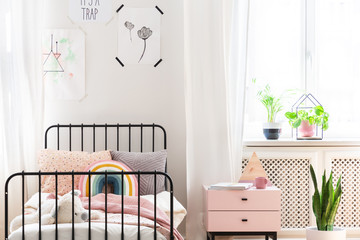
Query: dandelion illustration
129	26
144	33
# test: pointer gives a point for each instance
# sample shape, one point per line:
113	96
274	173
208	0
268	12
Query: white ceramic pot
337	234
272	131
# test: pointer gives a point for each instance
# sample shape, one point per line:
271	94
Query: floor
244	238
218	238
258	238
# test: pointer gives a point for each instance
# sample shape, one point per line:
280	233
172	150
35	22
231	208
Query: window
310	45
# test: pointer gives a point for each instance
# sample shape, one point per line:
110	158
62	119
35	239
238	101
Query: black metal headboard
129	128
118	128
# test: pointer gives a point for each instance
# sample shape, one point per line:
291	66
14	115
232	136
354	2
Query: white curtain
215	70
21	95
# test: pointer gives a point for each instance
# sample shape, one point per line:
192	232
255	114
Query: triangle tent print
52	64
63	64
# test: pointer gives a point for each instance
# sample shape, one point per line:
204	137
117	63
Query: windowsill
289	142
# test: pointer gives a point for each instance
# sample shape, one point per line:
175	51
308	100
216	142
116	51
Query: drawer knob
244	199
244	220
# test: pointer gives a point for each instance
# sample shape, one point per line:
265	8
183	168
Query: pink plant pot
306	130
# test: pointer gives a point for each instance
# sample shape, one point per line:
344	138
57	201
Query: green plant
271	103
326	202
316	116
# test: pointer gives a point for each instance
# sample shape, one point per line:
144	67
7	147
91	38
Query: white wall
132	94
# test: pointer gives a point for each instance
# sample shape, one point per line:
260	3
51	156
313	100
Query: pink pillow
65	161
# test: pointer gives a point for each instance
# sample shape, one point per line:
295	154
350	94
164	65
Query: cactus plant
326	202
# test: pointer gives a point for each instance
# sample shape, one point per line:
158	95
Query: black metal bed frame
122	173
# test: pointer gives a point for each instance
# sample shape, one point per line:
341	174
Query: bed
138	209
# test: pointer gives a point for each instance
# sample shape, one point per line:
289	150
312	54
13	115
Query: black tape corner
122	5
158	62
117	59
162	13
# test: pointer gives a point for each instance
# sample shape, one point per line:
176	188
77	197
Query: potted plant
307	120
271	128
325	205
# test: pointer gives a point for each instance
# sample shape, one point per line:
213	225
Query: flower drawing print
129	26
144	33
138	36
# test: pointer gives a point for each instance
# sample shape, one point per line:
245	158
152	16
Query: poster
63	54
139	35
90	10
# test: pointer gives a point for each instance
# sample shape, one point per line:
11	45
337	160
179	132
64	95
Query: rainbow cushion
98	181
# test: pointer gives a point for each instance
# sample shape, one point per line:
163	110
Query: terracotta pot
306	130
337	234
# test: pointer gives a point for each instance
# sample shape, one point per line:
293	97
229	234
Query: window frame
309	81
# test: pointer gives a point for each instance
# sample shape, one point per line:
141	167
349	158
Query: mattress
81	232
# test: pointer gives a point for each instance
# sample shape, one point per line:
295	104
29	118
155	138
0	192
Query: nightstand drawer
247	221
243	200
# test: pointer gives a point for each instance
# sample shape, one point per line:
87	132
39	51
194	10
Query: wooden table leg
266	237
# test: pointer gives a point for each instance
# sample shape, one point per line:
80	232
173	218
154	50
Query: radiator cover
292	176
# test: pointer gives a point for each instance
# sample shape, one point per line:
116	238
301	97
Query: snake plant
326	202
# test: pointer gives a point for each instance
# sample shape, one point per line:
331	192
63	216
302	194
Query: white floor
257	238
278	238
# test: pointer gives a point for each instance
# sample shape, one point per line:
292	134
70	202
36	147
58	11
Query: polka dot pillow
65	161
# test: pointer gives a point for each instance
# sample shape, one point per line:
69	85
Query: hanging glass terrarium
308	118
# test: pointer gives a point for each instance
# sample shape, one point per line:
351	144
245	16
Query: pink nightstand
249	212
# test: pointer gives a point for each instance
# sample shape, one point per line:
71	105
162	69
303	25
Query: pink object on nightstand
260	182
252	210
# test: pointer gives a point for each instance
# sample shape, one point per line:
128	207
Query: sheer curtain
21	101
215	69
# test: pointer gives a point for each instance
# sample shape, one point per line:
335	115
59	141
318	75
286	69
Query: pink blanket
130	207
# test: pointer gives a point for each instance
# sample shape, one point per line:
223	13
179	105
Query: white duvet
98	229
